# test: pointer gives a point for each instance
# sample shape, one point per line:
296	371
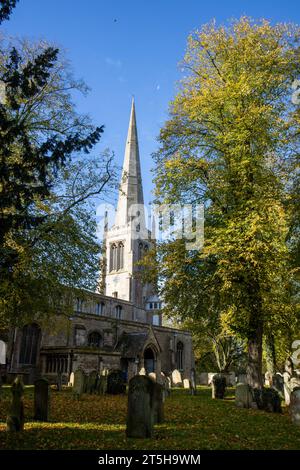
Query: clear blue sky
130	47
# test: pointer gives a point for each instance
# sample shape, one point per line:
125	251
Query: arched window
140	252
113	257
100	308
118	312
2	352
95	340
179	355
29	344
120	256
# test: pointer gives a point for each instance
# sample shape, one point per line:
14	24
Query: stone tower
128	239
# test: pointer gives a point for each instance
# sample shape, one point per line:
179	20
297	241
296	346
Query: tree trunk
270	354
254	367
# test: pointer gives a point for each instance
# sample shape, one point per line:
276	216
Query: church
119	327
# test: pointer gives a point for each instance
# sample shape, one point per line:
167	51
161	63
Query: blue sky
121	48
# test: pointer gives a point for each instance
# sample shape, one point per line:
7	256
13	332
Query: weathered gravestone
15	419
243	396
78	387
41	400
295	406
71	381
102	382
176	378
140	417
203	378
278	384
267	399
218	386
186	383
115	383
158	403
152	376
92	382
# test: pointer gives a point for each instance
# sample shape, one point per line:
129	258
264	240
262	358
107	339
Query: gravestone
41	400
230	379
268	379
140	417
278	384
115	383
295	406
267	399
152	376
176	378
92	382
186	383
102	388
78	386
203	378
15	419
243	396
59	381
218	386
158	403
71	381
85	382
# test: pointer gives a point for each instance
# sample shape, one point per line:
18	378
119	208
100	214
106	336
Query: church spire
131	189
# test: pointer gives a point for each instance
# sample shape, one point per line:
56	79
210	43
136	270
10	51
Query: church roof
132	344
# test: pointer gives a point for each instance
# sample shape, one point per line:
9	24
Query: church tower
128	239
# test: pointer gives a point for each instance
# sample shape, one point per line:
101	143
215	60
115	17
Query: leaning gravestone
218	386
15	419
78	387
140	417
41	400
295	406
158	404
115	383
243	396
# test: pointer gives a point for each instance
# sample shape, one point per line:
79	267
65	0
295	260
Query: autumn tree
49	183
231	131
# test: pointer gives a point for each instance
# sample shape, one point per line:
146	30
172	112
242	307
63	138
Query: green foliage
6	7
230	142
49	185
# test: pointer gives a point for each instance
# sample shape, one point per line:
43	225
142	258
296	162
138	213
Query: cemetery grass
191	422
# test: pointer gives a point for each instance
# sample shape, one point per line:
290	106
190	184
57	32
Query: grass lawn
192	422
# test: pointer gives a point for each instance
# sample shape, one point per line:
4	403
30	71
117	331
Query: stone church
119	328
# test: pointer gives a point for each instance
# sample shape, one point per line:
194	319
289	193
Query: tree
49	185
59	259
39	131
231	129
6	7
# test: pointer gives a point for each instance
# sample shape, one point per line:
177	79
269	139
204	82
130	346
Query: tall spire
131	189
